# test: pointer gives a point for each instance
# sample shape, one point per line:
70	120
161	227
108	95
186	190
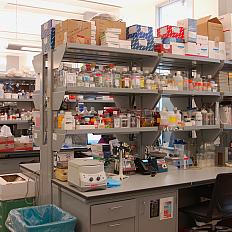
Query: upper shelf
14	122
103	55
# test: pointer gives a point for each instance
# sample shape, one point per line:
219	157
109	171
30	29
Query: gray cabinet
149	214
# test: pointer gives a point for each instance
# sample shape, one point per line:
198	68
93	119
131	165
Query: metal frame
49	98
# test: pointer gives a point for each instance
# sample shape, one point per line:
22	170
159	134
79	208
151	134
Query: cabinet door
152	216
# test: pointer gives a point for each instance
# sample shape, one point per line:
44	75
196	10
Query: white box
20	188
190	36
203	50
226	21
188	24
178	48
125	43
190	49
201	39
217	50
228	36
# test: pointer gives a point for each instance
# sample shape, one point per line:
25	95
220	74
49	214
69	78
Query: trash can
44	218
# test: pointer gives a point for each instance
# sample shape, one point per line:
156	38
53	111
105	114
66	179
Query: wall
204	8
138	12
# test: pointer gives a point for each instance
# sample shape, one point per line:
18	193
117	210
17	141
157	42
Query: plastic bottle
211	117
117	78
126	80
60	120
178	79
135	79
142	80
198	118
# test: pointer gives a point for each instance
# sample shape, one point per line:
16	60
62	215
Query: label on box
143	42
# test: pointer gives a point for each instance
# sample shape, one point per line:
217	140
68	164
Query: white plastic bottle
178	115
178	80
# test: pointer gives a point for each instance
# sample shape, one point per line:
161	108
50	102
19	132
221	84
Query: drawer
125	225
113	211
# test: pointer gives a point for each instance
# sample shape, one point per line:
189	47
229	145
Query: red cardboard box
170	32
163	48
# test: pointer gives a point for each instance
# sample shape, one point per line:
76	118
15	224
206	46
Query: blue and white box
48	42
140	32
47	27
142	44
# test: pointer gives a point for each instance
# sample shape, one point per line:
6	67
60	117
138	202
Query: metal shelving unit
49	98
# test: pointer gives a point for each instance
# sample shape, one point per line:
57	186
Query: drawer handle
116	207
115	225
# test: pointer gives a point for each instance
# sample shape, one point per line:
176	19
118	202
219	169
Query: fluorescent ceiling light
31	49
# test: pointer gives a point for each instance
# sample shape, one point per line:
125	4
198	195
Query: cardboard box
190	36
163	48
142	44
139	32
70	37
178	48
47	27
211	28
201	39
190	49
226	21
203	50
6	140
102	25
217	50
171	32
23	146
188	24
73	31
171	40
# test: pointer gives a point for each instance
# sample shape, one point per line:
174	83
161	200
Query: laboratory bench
135	206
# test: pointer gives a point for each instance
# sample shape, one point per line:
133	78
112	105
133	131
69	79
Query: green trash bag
44	218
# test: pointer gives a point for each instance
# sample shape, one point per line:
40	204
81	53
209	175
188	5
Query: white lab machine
87	174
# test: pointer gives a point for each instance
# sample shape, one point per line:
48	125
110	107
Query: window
171	11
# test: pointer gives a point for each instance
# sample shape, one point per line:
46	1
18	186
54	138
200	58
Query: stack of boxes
222	81
170	39
141	37
103	24
110	37
93	33
226	21
190	35
48	35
